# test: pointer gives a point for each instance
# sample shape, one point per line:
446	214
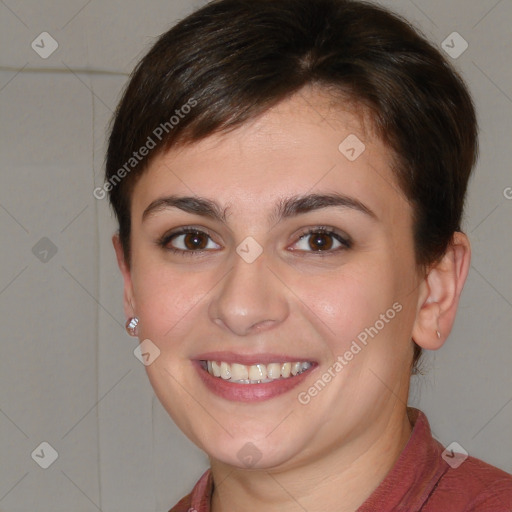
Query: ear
439	294
128	300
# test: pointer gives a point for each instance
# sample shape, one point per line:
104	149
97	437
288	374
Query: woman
289	178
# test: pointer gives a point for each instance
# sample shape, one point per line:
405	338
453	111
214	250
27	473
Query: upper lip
250	359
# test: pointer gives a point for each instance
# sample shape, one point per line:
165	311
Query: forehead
310	142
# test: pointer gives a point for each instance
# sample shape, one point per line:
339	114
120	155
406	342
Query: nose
251	299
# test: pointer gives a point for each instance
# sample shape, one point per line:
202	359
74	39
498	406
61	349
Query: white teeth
225	370
239	372
273	370
256	373
216	369
286	369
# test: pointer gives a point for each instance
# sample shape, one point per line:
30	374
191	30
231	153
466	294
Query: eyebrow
192	204
285	208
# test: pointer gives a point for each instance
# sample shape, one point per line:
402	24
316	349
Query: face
275	244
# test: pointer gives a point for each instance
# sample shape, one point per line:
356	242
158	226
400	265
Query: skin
331	453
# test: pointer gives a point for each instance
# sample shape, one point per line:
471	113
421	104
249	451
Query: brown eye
320	241
195	241
188	241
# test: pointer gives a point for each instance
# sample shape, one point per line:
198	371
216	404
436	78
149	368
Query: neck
340	479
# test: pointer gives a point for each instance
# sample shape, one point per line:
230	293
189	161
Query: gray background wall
68	373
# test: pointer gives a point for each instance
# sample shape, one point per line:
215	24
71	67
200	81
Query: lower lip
249	392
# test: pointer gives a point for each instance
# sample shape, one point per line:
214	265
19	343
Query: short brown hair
232	60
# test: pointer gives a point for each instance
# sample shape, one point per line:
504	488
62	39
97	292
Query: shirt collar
415	473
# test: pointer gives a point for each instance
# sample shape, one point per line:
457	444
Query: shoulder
474	485
184	505
199	499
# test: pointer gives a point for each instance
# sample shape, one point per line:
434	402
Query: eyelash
323	230
345	241
168	237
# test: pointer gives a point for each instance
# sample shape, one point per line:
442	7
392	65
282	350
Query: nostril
259	326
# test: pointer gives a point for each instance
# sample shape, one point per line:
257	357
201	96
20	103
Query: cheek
343	303
166	296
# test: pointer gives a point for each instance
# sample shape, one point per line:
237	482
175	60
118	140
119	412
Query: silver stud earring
438	335
131	326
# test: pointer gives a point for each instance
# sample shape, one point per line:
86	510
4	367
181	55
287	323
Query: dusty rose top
420	480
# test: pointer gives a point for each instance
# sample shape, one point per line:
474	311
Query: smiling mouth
256	373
